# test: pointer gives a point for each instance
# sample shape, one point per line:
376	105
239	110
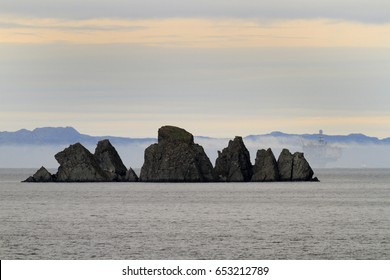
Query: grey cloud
153	80
358	10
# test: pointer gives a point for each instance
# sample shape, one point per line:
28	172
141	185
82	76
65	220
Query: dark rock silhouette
110	161
42	175
173	134
131	176
285	164
233	163
266	167
77	164
176	158
294	167
301	170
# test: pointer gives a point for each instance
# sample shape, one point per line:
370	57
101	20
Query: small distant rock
315	179
266	167
233	163
176	158
42	175
131	176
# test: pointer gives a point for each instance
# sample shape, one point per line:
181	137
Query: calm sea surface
345	216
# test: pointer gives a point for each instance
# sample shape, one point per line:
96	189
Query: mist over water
353	155
35	156
345	216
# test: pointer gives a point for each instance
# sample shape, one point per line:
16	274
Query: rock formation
266	167
176	158
285	165
131	176
233	163
42	175
301	170
110	161
77	164
294	167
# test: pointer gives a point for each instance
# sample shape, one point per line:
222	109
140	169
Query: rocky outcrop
110	161
285	164
294	167
42	175
77	164
301	170
176	158
233	163
266	167
131	176
173	134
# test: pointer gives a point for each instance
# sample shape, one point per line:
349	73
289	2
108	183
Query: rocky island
77	164
176	158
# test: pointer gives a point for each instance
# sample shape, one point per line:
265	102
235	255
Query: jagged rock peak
131	176
233	163
176	158
294	167
77	164
110	161
301	170
42	175
285	164
174	134
266	167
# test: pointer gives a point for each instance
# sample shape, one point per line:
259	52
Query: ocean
345	216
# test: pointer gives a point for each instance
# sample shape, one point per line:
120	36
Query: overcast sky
217	68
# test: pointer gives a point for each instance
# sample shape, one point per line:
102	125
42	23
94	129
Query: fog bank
352	155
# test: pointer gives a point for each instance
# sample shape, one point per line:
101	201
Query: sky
217	68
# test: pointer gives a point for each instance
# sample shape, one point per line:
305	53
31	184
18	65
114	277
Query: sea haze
345	216
32	149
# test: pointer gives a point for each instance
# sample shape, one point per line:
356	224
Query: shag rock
110	161
266	167
233	163
176	158
294	167
42	175
131	176
301	170
77	164
285	165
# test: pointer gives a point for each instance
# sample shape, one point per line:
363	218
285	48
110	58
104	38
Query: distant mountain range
356	138
69	135
59	136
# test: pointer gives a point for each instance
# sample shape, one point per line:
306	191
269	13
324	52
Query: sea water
345	216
